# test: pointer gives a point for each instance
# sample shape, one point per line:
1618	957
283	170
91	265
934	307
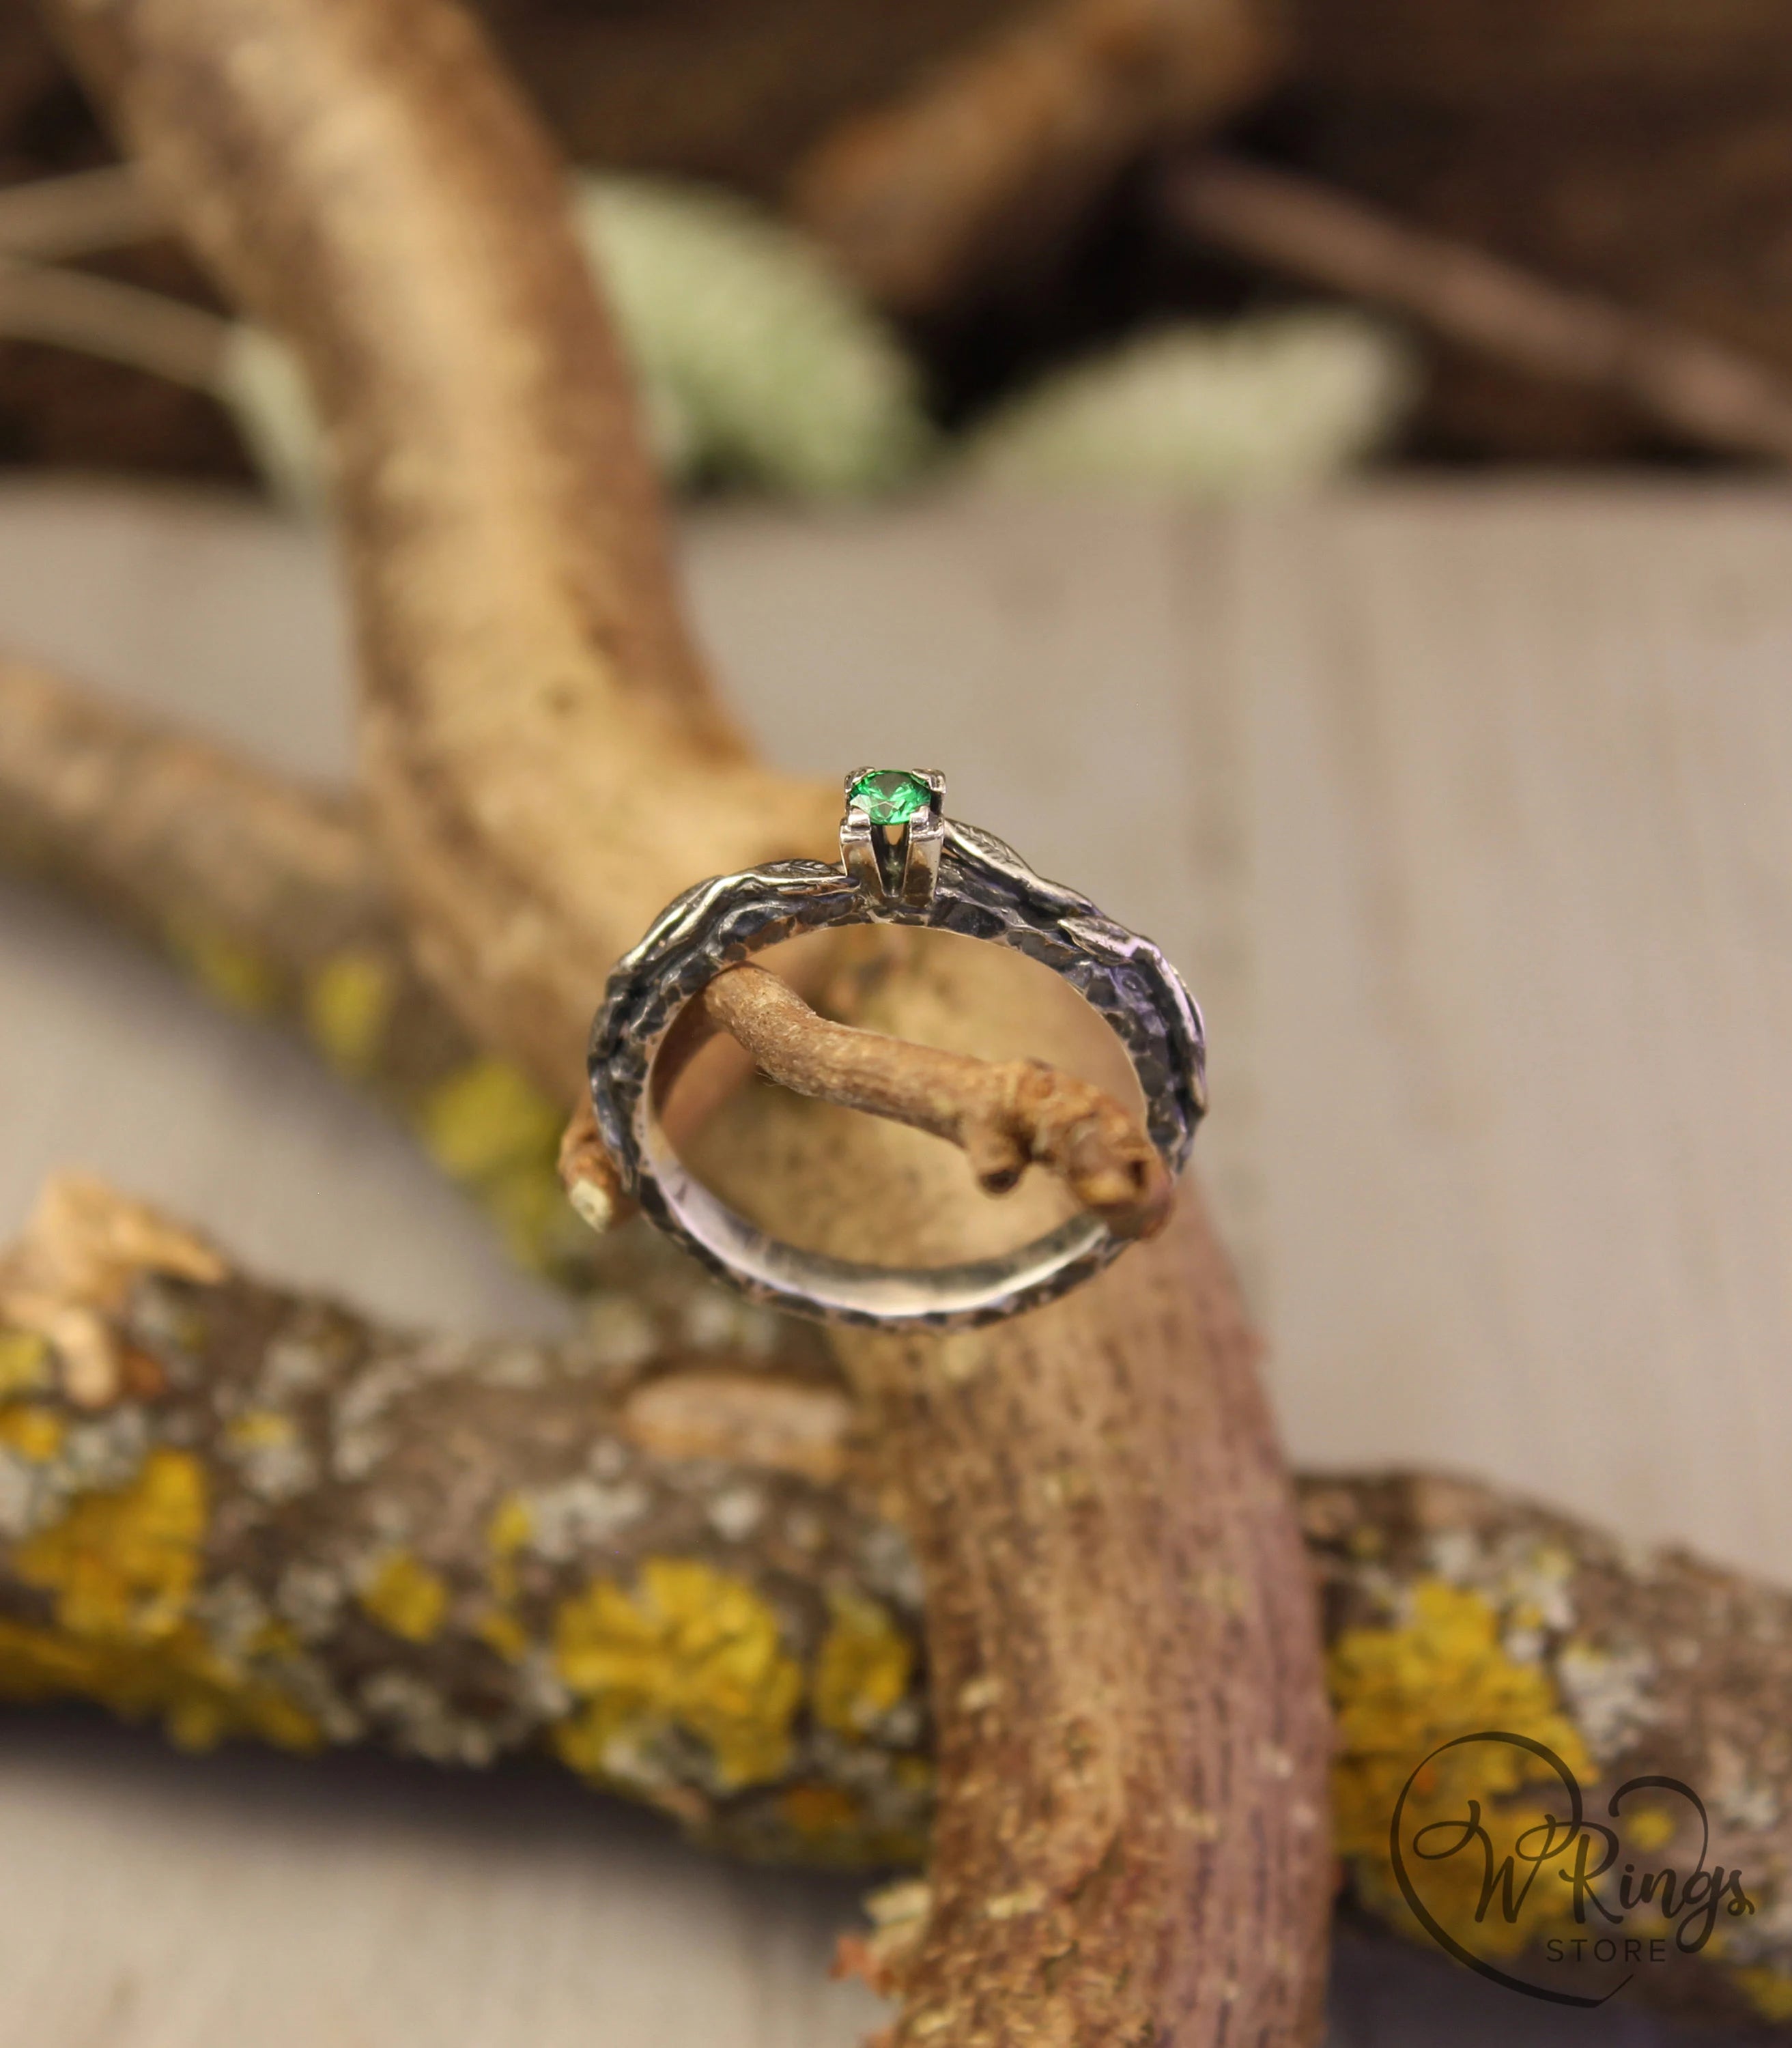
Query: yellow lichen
511	1526
231	972
24	1362
347	1006
405	1597
214	1702
122	1566
1768	1991
35	1433
1399	1693
489	1126
261	1430
124	1563
1650	1827
487	1116
500	1631
863	1666
691	1648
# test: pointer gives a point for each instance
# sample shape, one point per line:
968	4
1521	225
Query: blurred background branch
979	169
1704	394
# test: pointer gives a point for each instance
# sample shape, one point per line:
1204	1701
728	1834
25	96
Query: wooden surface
1468	811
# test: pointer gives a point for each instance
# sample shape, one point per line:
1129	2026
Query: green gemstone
890	795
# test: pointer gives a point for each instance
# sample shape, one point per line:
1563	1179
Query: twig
1692	387
545	769
1005	1116
656	1551
991	157
146	330
593	1185
49	220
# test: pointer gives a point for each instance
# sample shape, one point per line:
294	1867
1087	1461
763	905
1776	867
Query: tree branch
168	831
1004	1116
545	770
270	892
51	219
272	896
662	1552
995	153
637	1549
502	523
1694	388
148	330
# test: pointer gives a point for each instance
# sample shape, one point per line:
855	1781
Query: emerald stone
890	795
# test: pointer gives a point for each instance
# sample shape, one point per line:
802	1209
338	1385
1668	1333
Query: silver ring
902	861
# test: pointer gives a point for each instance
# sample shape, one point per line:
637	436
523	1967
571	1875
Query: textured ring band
902	861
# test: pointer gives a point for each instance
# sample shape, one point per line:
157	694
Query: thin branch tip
1005	1116
593	1185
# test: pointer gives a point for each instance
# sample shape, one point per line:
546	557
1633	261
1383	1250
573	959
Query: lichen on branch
636	1549
668	1564
544	768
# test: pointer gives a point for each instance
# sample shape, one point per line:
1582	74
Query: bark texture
246	1512
665	1552
540	752
1129	1734
545	770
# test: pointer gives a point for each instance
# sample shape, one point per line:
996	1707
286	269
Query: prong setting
892	834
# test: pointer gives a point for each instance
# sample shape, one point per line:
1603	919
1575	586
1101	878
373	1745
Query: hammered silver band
930	871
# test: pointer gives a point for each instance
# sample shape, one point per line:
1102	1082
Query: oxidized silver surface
980	888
